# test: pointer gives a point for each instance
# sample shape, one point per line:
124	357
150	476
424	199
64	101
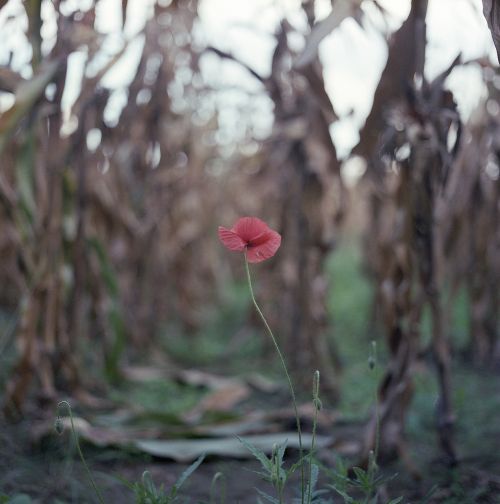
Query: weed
146	492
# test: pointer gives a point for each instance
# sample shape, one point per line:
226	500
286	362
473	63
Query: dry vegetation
108	227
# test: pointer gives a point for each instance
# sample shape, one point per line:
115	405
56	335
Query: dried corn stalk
434	229
101	239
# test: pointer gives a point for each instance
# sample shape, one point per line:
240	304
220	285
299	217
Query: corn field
110	199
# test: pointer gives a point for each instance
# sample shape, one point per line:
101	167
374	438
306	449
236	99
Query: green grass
212	345
349	304
349	299
158	397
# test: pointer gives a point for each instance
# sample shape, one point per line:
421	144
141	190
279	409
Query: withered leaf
491	10
341	10
186	450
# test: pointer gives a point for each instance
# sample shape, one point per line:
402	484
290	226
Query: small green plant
146	492
366	482
273	470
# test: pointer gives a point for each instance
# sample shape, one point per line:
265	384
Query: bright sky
353	58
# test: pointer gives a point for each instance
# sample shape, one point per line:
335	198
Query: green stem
280	495
82	458
278	479
313	446
373	462
218	476
377	426
316	404
290	384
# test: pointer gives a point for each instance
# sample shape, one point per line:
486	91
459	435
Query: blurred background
366	132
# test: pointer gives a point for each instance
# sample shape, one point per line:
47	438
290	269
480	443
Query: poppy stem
283	363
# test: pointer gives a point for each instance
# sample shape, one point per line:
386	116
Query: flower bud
316	384
372	359
371	362
59	425
372	461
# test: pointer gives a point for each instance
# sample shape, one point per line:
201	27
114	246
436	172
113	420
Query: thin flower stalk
283	363
317	407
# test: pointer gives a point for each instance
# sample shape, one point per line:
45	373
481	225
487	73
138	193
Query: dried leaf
199	378
342	9
186	450
491	10
314	75
27	93
144	373
222	399
9	80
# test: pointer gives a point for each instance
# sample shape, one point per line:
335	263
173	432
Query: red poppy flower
254	236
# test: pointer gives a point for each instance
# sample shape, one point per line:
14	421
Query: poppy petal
231	240
265	249
249	228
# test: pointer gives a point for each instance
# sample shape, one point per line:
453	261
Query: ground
50	470
37	462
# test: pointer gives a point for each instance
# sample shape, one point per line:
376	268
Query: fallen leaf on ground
98	436
203	379
187	450
144	373
262	383
223	399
